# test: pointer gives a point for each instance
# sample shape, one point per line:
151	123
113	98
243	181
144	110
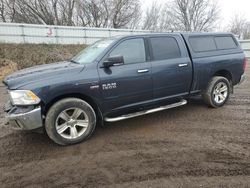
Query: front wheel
70	121
217	92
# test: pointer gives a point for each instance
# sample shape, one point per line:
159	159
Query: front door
129	84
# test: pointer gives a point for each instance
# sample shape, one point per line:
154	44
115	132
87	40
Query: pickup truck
123	77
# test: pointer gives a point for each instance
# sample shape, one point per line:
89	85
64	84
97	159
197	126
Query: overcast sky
227	7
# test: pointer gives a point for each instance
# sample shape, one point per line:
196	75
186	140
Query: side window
165	48
132	50
225	42
202	44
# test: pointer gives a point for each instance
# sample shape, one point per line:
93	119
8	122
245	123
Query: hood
40	73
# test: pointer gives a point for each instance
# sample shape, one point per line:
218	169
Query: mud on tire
217	92
61	116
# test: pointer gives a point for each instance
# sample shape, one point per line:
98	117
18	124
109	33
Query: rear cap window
212	43
225	42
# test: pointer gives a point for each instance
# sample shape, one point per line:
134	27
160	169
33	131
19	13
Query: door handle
183	65
142	70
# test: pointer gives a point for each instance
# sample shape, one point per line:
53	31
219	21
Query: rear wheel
217	92
70	121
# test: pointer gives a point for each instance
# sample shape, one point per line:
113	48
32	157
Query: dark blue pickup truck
123	77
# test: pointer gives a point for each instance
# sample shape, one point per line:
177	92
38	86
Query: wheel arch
224	73
86	98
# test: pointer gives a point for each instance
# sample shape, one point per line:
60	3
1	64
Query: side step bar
127	116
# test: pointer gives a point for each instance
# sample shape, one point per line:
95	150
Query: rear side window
165	48
132	50
224	43
202	44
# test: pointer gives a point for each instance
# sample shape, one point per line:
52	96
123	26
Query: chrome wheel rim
72	123
220	92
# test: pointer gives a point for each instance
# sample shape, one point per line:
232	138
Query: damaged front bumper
28	118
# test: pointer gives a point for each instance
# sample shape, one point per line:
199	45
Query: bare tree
246	33
135	19
93	13
82	18
66	8
2	11
7	10
167	21
108	13
192	15
54	12
122	12
33	11
152	17
239	26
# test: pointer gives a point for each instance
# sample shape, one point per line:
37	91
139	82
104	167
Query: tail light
245	64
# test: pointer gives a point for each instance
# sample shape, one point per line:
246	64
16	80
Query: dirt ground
190	146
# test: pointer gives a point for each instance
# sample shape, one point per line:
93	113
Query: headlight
23	97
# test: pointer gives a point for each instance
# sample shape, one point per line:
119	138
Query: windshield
90	53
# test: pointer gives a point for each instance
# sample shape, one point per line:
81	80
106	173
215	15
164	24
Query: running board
127	116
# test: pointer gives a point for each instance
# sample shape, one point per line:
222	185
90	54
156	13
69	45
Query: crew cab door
128	84
171	66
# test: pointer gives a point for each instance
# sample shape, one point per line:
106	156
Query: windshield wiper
73	61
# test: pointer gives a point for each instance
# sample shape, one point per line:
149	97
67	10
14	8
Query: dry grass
6	67
27	55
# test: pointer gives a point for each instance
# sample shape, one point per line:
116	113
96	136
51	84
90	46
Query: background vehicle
124	77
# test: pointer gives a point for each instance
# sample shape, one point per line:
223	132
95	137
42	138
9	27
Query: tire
214	95
70	121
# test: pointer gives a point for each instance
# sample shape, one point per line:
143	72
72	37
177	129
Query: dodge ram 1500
123	77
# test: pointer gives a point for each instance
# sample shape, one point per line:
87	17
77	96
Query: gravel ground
190	146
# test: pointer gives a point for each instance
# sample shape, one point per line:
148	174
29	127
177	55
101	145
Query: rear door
129	84
171	66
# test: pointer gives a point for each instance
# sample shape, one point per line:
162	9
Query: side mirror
113	61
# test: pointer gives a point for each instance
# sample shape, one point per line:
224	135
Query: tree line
173	15
92	13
